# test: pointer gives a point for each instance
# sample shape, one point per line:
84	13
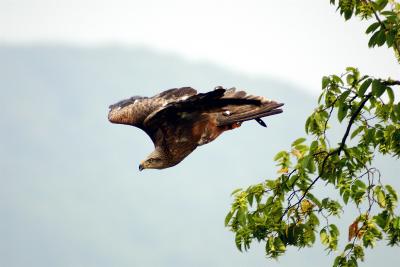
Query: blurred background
71	194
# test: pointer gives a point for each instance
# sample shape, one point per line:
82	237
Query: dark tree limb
336	151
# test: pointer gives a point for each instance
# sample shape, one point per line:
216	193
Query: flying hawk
180	119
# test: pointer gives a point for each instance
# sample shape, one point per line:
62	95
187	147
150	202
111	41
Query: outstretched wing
133	111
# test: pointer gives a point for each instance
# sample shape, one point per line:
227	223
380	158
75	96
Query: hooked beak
141	168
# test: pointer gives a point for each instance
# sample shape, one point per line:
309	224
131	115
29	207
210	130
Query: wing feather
176	93
135	110
210	102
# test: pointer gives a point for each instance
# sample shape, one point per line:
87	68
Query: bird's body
180	119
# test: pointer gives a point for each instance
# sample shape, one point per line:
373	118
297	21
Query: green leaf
397	109
349	246
388	13
235	191
325	82
381	199
337	79
307	125
241	216
228	218
364	86
298	141
390	94
372	27
357	131
280	154
351	69
350	79
311	166
324	237
381	38
305	161
360	183
320	97
342	112
314	146
342	98
346	196
381	4
250	198
279	244
373	39
396	223
334	230
391	191
390	38
314	199
352	262
382	219
378	88
358	196
337	261
238	241
348	13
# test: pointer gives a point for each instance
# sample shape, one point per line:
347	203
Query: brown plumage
180	119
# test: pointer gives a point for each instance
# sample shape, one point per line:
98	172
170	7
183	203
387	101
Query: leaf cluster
283	211
385	29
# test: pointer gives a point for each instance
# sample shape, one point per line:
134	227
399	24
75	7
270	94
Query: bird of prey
180	119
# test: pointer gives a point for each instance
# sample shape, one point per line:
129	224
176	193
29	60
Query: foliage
284	211
385	29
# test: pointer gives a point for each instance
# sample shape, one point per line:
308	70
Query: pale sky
298	41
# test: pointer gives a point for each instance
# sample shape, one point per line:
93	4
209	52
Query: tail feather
253	112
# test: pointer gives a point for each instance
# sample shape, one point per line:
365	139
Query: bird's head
154	161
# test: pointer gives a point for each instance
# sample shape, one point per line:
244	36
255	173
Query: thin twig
336	151
351	121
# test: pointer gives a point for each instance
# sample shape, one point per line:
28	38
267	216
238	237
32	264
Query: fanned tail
251	112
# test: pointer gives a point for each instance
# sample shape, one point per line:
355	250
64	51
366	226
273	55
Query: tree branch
336	151
391	83
351	122
396	45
